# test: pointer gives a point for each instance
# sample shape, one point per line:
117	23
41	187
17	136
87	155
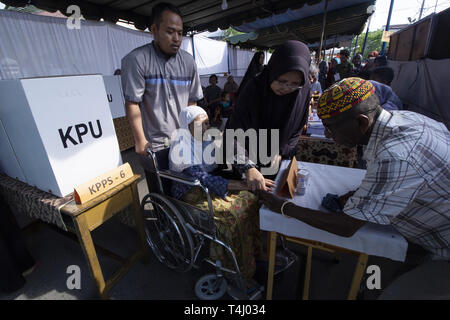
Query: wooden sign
386	37
290	180
99	185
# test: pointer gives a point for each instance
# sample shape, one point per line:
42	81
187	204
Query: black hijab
253	69
258	107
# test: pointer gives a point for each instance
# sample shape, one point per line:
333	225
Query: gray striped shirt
407	183
162	86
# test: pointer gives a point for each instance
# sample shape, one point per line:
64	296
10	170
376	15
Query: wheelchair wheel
210	287
166	232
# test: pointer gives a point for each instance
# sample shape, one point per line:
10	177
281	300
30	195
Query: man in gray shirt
158	80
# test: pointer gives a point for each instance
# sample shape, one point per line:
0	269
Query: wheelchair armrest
179	177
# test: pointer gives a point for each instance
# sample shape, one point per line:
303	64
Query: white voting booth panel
60	129
113	86
8	160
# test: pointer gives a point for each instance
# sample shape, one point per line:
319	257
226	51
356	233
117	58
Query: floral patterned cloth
32	202
26	200
237	224
323	151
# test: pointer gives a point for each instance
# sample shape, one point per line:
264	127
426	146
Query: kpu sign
81	129
60	130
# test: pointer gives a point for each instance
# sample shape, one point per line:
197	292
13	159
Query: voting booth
56	132
116	101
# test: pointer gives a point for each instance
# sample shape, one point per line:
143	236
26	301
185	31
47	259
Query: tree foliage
373	43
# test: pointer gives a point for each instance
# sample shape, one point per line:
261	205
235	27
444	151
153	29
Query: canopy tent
342	22
197	15
97	47
333	42
270	22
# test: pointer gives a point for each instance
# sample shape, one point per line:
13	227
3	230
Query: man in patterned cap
406	185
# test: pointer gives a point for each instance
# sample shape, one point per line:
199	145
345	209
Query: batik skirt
237	224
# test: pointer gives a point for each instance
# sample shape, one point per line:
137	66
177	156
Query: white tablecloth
372	239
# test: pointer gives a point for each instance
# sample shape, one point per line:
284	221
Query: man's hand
256	181
237	185
141	148
343	199
272	201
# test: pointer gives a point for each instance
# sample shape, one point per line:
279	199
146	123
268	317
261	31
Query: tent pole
421	9
335	43
387	25
323	30
356	45
365	38
193	49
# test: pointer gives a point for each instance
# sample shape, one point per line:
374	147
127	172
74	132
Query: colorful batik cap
343	95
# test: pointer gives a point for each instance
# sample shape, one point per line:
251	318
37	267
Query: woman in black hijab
277	98
255	67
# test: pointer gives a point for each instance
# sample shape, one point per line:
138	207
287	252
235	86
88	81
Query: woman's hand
270	184
256	181
272	201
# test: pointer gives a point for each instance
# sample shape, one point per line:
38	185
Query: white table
371	239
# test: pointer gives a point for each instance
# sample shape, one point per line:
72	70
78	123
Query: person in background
212	95
158	80
313	78
383	75
332	71
357	65
345	68
117	72
231	87
388	99
369	66
406	185
380	61
323	69
255	67
226	104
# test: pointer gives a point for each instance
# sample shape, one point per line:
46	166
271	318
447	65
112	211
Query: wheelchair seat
176	231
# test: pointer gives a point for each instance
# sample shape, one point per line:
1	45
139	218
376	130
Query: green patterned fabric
237	223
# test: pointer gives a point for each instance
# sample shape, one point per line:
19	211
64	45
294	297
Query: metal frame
178	177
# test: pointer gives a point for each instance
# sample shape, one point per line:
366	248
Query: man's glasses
289	86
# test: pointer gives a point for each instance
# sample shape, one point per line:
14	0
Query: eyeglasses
289	86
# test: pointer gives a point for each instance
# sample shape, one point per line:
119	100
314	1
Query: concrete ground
56	252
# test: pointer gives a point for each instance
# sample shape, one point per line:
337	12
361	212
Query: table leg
272	236
357	276
84	236
139	222
307	274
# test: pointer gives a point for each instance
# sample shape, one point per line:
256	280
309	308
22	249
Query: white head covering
188	114
185	151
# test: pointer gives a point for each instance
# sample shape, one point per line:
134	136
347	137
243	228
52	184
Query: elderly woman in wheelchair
232	224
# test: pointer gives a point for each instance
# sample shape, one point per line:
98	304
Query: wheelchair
177	231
